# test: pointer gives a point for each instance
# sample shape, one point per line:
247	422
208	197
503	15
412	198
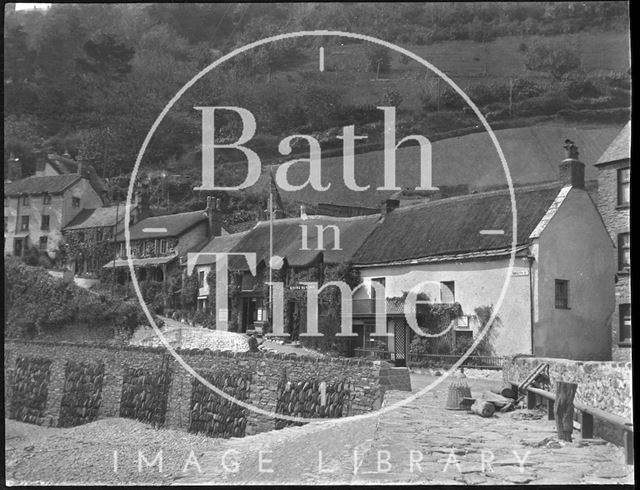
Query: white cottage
560	293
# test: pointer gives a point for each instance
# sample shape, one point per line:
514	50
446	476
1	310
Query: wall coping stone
209	352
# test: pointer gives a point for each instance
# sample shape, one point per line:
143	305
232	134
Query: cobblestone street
419	443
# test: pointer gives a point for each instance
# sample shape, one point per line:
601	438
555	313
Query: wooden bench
588	414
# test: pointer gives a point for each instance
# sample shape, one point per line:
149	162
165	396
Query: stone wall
603	385
77	383
616	218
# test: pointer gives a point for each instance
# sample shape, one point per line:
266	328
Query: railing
587	415
375	353
447	360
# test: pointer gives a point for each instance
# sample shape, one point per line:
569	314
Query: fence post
550	414
586	426
531	400
565	393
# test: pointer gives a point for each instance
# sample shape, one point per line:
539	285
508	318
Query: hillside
532	153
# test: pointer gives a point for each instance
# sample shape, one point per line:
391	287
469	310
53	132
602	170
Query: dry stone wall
82	394
63	384
603	385
305	399
217	416
144	393
30	388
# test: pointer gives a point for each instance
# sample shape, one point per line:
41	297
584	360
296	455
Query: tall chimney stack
571	170
214	216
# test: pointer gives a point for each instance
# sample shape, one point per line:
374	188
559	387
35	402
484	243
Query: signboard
520	273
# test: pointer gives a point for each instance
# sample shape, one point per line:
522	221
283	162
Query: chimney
80	168
571	170
389	205
214	216
41	160
14	168
142	202
303	211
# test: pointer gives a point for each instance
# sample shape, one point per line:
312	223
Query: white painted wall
477	283
575	246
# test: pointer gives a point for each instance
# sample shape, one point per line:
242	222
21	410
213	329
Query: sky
29	6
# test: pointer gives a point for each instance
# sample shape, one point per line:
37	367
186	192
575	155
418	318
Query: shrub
378	58
544	105
576	89
523	88
42	302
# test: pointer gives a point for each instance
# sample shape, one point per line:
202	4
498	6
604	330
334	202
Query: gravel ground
87	454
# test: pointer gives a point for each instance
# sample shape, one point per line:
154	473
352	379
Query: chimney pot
571	170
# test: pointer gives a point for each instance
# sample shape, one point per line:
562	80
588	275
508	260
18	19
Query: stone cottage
614	184
559	297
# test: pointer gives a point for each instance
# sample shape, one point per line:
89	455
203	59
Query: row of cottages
37	208
614	191
160	244
557	303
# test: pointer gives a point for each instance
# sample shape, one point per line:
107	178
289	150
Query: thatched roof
219	244
451	227
287	240
99	217
619	149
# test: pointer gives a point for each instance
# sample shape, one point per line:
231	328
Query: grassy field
466	62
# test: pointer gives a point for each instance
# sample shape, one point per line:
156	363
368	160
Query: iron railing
447	360
374	353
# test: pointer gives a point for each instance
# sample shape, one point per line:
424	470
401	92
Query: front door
17	247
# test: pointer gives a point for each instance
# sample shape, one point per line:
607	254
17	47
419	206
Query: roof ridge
478	195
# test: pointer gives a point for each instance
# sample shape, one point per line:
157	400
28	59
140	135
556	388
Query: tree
379	59
19	60
106	57
552	58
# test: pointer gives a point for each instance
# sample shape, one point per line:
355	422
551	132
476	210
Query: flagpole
270	251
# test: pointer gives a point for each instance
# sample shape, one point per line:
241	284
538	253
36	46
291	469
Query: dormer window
75	202
46	199
25	200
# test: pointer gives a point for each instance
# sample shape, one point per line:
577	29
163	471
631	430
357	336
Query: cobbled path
419	443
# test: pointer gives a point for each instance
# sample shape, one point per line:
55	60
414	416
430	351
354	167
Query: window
163	246
25	200
46	199
43	242
99	235
44	224
562	294
625	323
624	186
201	278
248	281
448	292
81	236
24	224
624	251
75	202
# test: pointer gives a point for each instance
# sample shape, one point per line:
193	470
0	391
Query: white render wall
477	283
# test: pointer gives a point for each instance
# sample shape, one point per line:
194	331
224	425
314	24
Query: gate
400	341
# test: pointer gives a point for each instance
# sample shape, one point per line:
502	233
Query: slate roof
175	224
287	240
98	217
219	244
451	226
40	185
619	149
64	165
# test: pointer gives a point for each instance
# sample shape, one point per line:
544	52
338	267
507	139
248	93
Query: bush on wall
39	302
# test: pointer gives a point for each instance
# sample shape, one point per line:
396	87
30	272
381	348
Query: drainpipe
531	259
